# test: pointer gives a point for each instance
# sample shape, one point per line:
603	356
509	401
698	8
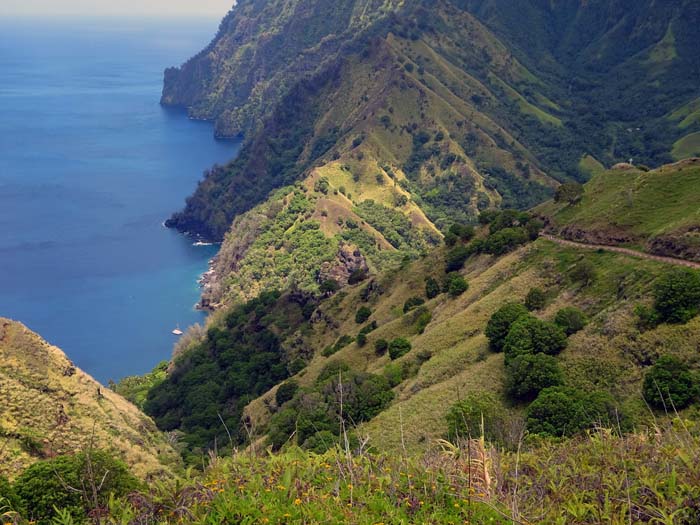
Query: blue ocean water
90	166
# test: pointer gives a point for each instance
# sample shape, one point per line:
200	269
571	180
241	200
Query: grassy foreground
647	477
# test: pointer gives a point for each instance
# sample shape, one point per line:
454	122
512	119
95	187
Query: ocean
90	167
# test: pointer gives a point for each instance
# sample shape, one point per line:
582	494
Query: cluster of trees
533	374
508	229
676	299
316	417
237	361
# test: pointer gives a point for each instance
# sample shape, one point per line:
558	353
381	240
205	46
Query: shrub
669	384
584	272
381	346
477	414
321	442
677	296
561	411
329	287
361	339
458	285
286	392
456	257
357	276
500	322
362	315
432	288
506	240
570	192
527	375
9	500
423	318
535	300
411	303
647	317
571	320
43	487
398	348
529	335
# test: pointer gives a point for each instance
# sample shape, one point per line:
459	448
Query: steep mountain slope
304	80
401	398
656	211
48	407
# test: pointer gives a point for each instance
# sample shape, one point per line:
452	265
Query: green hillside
656	211
518	109
48	407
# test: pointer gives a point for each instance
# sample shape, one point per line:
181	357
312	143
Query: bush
432	288
500	322
561	411
362	315
535	300
9	500
456	257
677	296
411	303
529	335
361	339
286	392
381	346
43	486
423	318
457	286
357	276
584	272
398	348
321	442
570	192
466	419
669	384
571	320
459	232
527	375
506	240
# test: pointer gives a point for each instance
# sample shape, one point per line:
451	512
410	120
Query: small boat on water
177	331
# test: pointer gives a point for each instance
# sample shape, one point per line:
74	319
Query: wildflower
297	501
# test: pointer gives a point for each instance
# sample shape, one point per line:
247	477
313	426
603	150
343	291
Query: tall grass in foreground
651	477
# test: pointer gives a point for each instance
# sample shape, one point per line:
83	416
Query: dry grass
48	407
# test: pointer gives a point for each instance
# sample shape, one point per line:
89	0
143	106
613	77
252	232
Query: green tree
458	285
677	296
412	303
561	411
362	315
432	288
381	346
527	375
669	384
500	322
398	348
66	482
477	414
530	335
286	392
571	320
570	192
535	300
584	272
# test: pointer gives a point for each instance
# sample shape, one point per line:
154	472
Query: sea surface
90	167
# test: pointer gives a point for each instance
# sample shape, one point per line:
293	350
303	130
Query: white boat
177	331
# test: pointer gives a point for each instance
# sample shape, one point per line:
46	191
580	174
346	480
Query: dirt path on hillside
625	251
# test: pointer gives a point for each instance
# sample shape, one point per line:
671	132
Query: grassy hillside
575	482
656	211
305	79
48	407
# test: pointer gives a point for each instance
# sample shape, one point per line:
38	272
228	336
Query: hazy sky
115	7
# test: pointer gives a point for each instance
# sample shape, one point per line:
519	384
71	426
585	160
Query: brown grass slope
49	407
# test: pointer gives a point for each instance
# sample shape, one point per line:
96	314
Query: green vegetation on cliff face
309	81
